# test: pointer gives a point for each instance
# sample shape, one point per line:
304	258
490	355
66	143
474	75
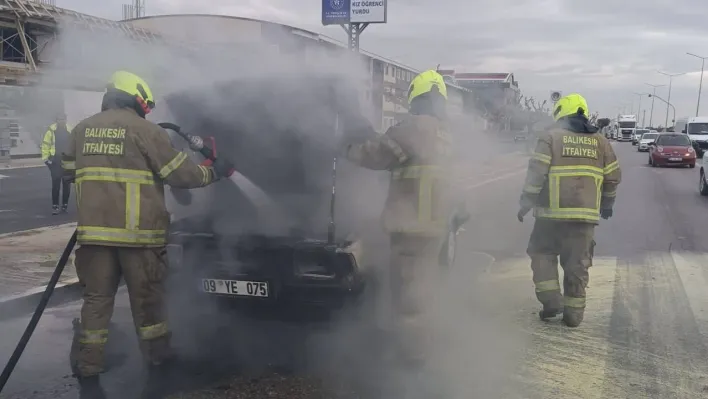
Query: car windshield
698	128
627	125
673	140
649	136
642	131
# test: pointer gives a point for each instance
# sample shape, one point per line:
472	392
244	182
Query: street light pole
668	104
651	113
639	108
668	100
700	85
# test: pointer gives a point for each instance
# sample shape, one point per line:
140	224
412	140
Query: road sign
337	12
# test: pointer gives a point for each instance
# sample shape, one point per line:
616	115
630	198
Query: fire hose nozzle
196	143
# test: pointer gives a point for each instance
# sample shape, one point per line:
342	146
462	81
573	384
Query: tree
602	122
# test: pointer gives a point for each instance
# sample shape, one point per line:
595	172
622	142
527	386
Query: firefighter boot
90	388
551	307
572	317
159	383
549	312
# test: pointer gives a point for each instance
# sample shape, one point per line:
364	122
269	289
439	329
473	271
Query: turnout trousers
573	243
99	269
414	271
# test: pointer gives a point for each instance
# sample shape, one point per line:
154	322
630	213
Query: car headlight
660	149
311	265
690	150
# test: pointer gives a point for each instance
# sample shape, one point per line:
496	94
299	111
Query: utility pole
644	118
651	113
700	85
668	99
353	17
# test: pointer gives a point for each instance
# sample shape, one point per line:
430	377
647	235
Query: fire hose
204	149
32	325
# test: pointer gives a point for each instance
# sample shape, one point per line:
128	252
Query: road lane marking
572	362
692	269
658	350
559	361
495	179
643	334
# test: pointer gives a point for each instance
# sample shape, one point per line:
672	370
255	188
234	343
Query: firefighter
54	143
571	182
121	162
418	206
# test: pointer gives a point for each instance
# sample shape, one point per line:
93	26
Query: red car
672	149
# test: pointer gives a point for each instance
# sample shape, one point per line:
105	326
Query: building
383	82
493	92
384	87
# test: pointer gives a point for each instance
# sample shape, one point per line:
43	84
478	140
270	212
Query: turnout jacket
416	152
121	163
572	174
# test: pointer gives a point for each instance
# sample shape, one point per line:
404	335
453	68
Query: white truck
697	130
627	125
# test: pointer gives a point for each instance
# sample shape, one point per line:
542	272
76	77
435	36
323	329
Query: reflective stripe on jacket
121	164
48	147
571	176
415	151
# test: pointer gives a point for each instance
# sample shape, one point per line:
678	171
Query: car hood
674	148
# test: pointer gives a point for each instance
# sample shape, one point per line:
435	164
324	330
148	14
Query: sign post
354	16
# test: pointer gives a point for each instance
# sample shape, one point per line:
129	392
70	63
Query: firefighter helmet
570	105
427	82
134	85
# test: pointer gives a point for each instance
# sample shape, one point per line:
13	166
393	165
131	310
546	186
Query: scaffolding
23	21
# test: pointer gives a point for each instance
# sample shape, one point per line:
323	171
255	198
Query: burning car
268	234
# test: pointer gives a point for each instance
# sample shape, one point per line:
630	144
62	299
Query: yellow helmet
426	82
135	86
570	105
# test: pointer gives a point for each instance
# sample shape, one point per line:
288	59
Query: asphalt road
644	335
26	200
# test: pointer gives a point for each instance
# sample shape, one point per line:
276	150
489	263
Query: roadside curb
24	303
38	230
12	167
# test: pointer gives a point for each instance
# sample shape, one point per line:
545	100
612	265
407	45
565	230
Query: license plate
675	159
235	287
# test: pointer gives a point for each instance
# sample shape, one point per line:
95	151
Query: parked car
672	149
638	135
645	141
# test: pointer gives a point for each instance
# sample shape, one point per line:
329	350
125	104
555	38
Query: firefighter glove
522	212
606	213
223	168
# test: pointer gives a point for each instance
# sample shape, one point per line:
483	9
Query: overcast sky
604	49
